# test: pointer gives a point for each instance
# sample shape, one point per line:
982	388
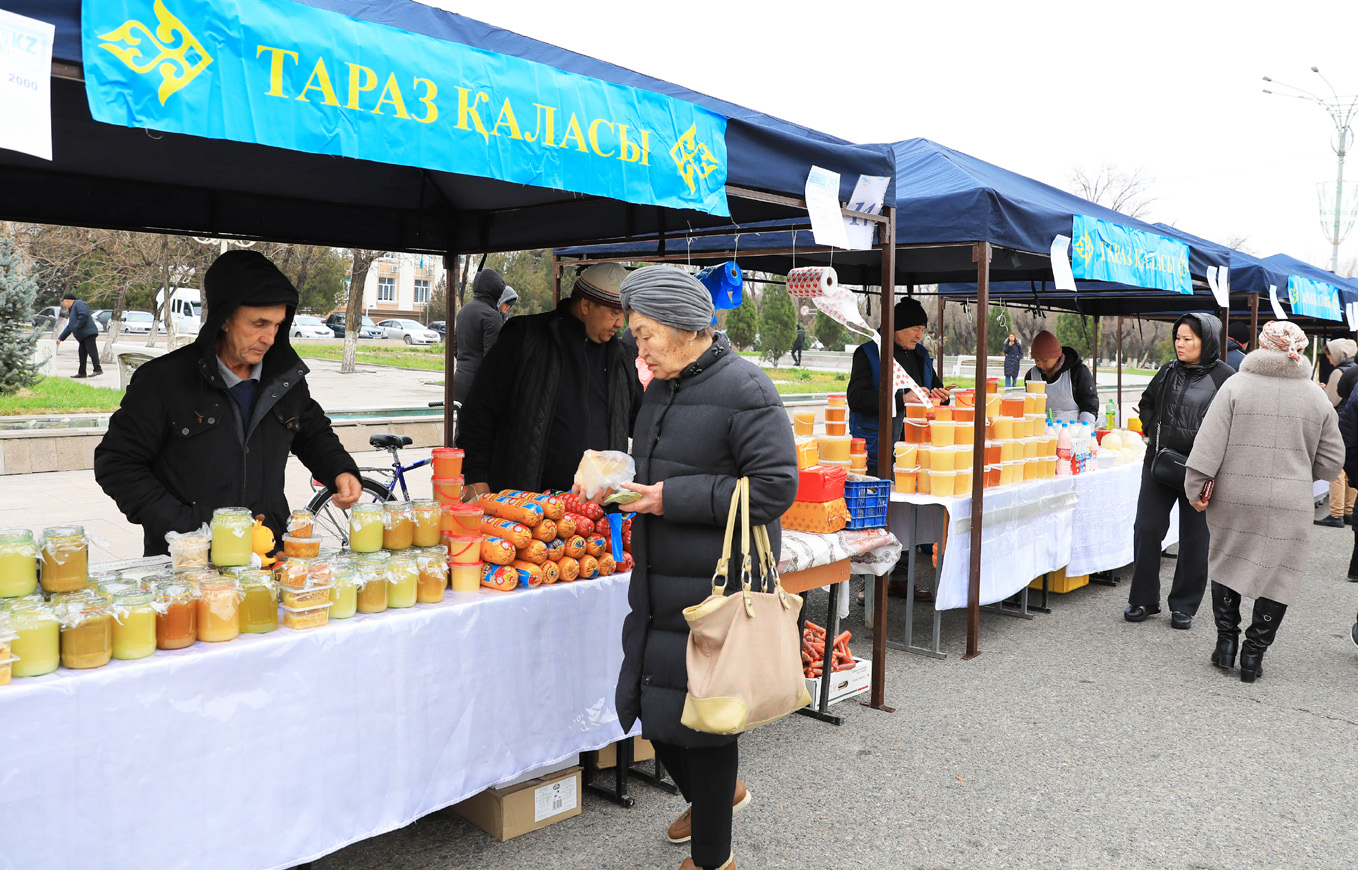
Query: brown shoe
682	829
689	865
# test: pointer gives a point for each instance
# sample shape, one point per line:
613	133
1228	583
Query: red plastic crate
821	483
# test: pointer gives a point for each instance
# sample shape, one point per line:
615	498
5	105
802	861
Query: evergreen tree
829	332
742	324
17	336
777	324
1077	331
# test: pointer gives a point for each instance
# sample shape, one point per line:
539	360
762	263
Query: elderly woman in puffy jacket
1171	410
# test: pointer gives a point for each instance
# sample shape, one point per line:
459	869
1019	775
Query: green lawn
427	358
63	396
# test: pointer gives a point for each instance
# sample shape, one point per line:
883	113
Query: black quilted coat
1177	398
719	421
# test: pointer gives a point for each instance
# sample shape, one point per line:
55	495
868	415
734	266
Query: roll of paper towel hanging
808	282
725	283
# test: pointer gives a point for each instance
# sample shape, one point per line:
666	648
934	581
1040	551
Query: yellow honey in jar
37	638
372	579
398	527
428	517
65	559
433	564
259	603
403	580
86	632
18	563
344	593
176	613
134	626
218	609
231	544
366	528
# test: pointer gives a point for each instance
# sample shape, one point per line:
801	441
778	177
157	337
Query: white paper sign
1351	312
1218	292
1278	313
553	799
868	195
1062	277
822	204
26	85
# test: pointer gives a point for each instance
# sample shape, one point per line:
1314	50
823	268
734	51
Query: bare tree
353	318
1118	189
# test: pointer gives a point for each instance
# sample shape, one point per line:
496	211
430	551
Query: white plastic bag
602	472
189	549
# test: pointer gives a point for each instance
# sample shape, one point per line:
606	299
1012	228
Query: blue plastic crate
867	500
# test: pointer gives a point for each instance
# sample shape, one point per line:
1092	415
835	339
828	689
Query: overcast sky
1173	89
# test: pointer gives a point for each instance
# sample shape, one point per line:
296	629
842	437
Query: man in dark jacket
478	327
211	424
555	385
1071	396
1237	343
86	332
798	344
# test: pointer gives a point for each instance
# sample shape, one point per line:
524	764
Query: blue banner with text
1314	298
1105	251
284	74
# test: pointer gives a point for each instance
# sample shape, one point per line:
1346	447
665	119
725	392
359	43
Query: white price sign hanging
26	84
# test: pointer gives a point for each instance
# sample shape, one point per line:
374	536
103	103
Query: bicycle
333	522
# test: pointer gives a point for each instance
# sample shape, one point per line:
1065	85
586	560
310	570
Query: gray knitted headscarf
670	296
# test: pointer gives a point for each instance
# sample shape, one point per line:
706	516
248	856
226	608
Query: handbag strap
724	563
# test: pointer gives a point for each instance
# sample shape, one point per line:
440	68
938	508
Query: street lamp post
1341	114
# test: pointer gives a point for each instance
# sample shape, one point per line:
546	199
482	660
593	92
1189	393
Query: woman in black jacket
708	418
1171	410
1013	358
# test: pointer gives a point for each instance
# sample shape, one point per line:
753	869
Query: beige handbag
744	664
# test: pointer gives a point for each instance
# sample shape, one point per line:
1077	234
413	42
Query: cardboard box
642	750
819	517
511	811
844	684
1062	583
821	483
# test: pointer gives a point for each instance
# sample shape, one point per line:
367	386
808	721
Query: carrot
843	638
813	627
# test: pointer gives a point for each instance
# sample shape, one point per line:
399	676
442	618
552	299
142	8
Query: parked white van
186	307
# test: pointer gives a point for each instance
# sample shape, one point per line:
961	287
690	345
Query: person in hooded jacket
1341	352
1013	358
1172	409
477	329
1237	343
508	300
1071	395
211	424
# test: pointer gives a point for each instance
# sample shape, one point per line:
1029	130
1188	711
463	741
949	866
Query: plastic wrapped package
65	558
112	586
18	563
568	568
302	618
308	597
589	567
497	551
86	631
602	472
295	547
501	578
550	573
232	543
190	549
544	531
517	534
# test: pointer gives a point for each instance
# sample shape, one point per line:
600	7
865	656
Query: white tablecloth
276	749
1026	532
1101	526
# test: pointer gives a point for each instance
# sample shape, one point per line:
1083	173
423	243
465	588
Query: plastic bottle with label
1064	445
1111	415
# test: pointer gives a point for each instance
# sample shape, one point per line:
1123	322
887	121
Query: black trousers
1152	523
89	348
707	778
796	357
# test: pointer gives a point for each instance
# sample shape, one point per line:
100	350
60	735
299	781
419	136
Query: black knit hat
246	278
908	313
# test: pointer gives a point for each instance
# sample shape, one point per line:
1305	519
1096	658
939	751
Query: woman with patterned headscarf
1269	433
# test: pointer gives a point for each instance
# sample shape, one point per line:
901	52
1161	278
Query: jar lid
212	584
402	556
379	557
424	504
30	605
64	532
174	587
231	512
306	540
256	576
366	508
16	536
447	451
112	588
395	506
302	512
132	598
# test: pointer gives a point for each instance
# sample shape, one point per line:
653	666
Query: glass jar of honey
301	522
65	559
231	544
18	563
86	631
398	526
175	601
433	565
428	517
371	576
403	580
218	609
366	529
37	637
344	592
259	602
134	626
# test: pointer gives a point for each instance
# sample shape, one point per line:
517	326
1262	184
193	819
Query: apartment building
399	285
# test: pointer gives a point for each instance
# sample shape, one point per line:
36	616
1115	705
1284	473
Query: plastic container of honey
962	484
219	600
462	519
836	414
836	428
65	559
992	475
925	454
1030	446
259	602
301	523
905	454
1048	467
942	483
448	490
964	415
836	400
965	457
301	548
86	631
18	563
447	461
366	528
371	576
467	577
308	597
176	606
427	517
1031	468
942	433
433	567
803	423
834	447
1012	405
302	618
37	637
134	626
943	412
906	479
1039	387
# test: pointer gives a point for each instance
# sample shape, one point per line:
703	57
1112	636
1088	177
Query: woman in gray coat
708	419
1268	435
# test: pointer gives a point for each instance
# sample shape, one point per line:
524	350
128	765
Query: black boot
1268	615
1226	610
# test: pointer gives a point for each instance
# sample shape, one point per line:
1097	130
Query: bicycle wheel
332	523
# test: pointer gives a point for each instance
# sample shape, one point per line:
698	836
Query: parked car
101	316
48	317
306	326
367	330
134	322
409	331
441	327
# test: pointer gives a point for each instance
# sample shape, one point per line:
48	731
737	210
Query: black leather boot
1268	615
1226	611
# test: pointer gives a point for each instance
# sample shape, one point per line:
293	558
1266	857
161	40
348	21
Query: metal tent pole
1225	322
556	281
1096	355
451	265
1254	318
938	330
981	256
1119	415
885	451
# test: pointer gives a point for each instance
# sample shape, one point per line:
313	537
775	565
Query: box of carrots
849	676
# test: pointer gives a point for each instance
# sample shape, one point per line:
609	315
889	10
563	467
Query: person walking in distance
81	324
798	344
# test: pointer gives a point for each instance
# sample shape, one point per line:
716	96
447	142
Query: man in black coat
798	344
82	325
477	329
555	385
211	424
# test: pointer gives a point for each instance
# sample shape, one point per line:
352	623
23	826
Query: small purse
1169	465
743	657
